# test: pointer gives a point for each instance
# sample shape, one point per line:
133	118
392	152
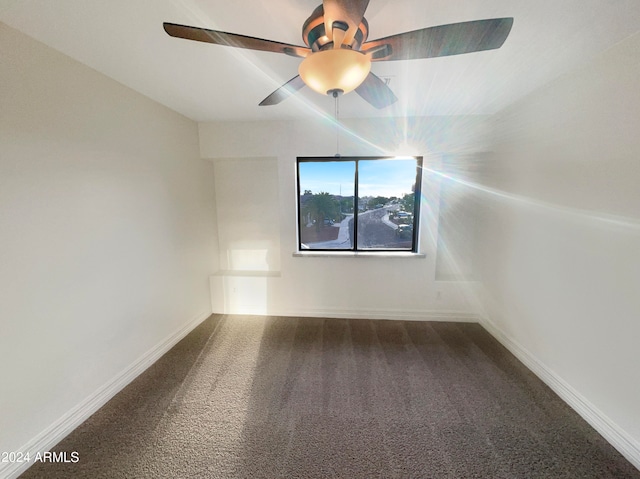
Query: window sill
357	254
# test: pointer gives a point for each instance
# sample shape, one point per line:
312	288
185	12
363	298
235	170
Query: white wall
561	248
107	233
248	217
457	256
337	286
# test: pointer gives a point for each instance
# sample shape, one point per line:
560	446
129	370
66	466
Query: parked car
404	231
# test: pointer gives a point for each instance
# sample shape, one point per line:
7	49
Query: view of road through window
377	231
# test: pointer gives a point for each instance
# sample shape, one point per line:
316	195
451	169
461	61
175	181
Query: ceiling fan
337	57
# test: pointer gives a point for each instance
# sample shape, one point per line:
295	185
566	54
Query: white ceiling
124	40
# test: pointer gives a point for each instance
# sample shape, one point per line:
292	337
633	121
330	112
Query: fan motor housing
315	36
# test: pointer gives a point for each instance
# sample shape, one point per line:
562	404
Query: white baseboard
418	315
614	434
51	436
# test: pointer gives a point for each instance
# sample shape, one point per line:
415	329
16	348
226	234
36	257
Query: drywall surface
561	234
248	222
345	286
106	227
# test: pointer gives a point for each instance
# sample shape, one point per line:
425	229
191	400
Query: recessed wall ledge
245	273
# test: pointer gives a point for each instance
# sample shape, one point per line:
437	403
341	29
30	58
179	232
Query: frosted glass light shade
336	69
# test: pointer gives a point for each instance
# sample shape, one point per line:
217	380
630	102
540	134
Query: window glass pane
386	199
326	202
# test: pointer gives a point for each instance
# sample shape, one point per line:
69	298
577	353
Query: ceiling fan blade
284	92
233	40
349	11
375	91
443	40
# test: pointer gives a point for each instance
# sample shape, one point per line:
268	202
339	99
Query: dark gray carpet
251	397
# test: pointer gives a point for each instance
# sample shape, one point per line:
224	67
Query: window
358	204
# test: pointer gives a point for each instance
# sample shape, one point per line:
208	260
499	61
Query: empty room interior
211	264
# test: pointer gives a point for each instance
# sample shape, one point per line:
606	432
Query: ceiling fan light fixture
335	69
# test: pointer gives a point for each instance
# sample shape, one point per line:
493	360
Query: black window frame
354	249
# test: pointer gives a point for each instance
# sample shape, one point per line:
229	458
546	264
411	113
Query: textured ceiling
124	40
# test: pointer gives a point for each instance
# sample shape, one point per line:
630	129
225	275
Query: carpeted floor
252	397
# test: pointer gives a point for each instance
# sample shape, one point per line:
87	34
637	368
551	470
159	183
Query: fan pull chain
336	115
